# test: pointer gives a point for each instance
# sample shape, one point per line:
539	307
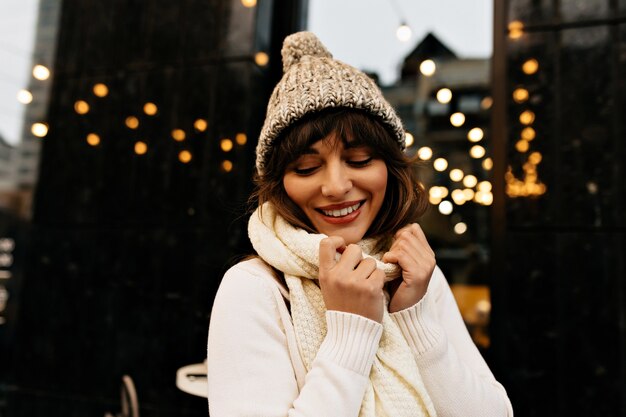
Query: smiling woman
343	311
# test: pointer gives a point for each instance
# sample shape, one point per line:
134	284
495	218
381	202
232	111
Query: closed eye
361	162
304	171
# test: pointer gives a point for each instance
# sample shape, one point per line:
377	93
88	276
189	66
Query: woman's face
339	187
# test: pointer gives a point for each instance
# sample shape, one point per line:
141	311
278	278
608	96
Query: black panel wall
128	243
560	290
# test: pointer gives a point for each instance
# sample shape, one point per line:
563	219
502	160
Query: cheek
295	190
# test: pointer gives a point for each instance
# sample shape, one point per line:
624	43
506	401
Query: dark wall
126	250
560	287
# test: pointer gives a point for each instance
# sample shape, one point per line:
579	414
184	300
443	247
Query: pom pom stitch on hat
313	81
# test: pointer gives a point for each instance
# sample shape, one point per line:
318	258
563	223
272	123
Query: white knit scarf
396	388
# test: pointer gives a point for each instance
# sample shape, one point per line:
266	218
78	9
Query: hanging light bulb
404	32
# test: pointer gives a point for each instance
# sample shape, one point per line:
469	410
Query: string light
39	129
440	164
200	125
484	186
184	156
41	72
528	133
241	138
486	103
444	95
150	109
24	96
527	117
458	197
520	95
425	153
141	148
457	119
445	207
81	107
477	152
248	3
530	66
100	90
487	164
404	32
475	134
131	122
93	139
178	135
460	228
226	145
261	59
522	145
408	139
227	165
516	29
470	181
456	174
428	67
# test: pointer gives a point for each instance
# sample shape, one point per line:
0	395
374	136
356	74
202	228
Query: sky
362	32
358	32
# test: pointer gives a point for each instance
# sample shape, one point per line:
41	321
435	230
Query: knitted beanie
313	81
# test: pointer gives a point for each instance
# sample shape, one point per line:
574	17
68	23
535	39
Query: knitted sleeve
251	371
456	376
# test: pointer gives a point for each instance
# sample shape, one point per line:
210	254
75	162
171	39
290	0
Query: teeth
342	212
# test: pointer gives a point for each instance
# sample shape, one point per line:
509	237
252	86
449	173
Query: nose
336	182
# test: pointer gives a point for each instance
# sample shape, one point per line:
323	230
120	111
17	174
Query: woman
343	312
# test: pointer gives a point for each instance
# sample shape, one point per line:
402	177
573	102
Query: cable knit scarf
396	388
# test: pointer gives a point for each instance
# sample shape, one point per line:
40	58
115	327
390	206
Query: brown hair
405	199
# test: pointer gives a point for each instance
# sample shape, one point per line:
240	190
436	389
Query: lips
341	213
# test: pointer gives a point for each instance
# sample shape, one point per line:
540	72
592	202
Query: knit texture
314	81
396	388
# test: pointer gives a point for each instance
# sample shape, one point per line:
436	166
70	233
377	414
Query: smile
343	211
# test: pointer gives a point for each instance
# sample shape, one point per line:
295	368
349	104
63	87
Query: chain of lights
529	185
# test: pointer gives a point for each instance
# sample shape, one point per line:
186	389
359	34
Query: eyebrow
354	143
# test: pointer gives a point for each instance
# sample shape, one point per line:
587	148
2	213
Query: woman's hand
351	284
411	251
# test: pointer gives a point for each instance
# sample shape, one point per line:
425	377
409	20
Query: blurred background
127	135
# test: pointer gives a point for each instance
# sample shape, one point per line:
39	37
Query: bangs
353	128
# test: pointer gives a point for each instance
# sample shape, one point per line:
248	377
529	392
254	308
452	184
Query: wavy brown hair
405	199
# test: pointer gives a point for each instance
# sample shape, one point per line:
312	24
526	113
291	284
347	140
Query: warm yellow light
241	138
483	197
41	72
522	145
484	186
528	133
141	148
475	134
428	67
178	135
184	156
516	29
445	207
460	228
93	139
530	66
408	139
535	158
100	90
150	109
470	181
520	95
477	151
458	196
425	153
527	117
200	125
132	122
486	103
456	174
81	107
434	200
403	33
457	119
261	59
487	164
24	96
227	166
226	145
248	3
469	194
444	95
440	164
39	129
438	192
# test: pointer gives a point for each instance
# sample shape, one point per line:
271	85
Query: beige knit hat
314	81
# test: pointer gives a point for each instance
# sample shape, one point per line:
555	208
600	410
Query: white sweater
255	369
